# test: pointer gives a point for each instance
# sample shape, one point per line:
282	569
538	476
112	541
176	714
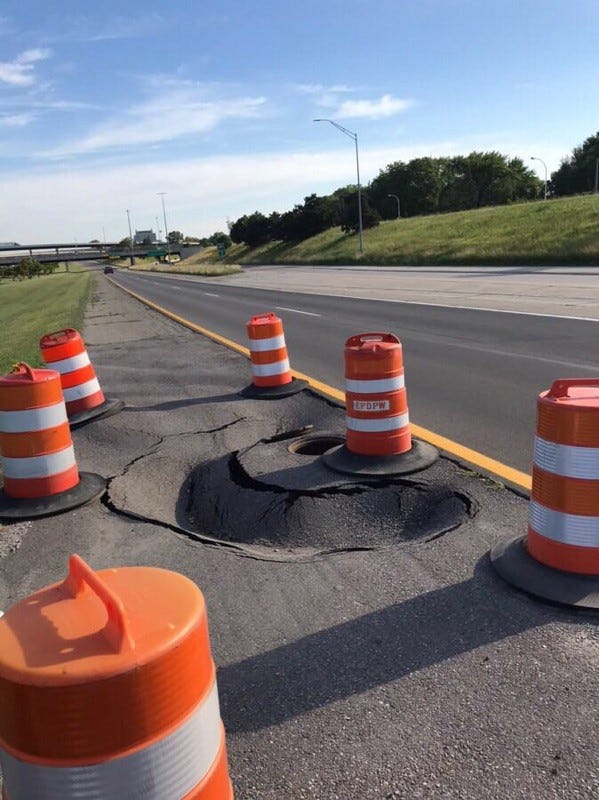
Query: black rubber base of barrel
274	392
89	487
513	563
109	407
419	457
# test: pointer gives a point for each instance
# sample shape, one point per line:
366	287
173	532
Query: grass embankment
31	308
204	263
564	231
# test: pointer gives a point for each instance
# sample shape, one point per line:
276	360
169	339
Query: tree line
27	268
424	186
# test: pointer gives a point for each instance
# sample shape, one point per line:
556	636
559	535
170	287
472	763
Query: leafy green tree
576	174
350	217
220	238
175	237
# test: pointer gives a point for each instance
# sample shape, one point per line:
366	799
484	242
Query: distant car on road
108	270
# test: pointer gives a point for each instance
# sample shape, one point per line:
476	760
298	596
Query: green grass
564	231
31	308
204	263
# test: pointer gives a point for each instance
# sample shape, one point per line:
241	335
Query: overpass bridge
12	253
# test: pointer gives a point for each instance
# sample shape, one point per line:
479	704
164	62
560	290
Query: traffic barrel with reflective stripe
108	690
558	560
39	469
271	374
64	351
378	438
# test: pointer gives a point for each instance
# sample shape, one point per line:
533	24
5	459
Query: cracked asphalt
404	670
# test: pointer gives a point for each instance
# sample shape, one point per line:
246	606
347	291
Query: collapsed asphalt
408	670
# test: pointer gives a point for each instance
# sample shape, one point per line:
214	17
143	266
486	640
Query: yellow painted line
459	451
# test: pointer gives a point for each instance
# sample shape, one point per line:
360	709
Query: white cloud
385	106
20	72
87	29
171	115
318	88
16	120
201	193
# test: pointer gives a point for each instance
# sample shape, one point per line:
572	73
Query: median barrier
558	559
271	374
378	439
108	690
64	351
36	450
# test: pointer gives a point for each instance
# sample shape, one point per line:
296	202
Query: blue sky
104	105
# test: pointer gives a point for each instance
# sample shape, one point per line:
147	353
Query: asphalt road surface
471	375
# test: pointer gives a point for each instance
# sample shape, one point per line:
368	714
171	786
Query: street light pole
354	136
130	240
168	244
398	206
534	158
596	175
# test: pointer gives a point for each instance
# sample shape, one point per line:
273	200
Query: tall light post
398	205
168	244
353	136
130	240
158	231
596	175
534	158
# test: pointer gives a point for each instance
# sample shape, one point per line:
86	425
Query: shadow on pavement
169	405
375	649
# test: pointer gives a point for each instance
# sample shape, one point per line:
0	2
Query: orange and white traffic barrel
39	469
108	690
378	438
271	374
65	352
559	558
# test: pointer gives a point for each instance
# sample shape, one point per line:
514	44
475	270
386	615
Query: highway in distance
471	375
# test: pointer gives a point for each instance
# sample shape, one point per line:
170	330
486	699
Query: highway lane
471	375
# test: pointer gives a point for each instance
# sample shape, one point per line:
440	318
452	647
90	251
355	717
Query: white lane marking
210	294
297	311
404	302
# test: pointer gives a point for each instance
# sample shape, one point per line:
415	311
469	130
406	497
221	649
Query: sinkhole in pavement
279	494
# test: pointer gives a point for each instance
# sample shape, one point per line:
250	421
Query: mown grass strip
31	308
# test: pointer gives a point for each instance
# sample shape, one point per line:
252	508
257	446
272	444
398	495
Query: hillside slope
564	231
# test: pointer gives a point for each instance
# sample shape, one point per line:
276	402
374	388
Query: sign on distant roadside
221	249
156	253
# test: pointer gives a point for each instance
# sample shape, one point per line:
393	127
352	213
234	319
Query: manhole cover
315	444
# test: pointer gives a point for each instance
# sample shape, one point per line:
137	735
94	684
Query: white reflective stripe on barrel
39	466
34	419
567	460
263	345
266	370
166	770
565	528
377	425
81	391
375	387
69	364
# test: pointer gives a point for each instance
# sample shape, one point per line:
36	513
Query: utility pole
398	205
132	259
168	244
534	158
354	136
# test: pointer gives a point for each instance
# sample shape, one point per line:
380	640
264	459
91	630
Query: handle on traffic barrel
268	315
116	630
367	338
560	387
24	366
